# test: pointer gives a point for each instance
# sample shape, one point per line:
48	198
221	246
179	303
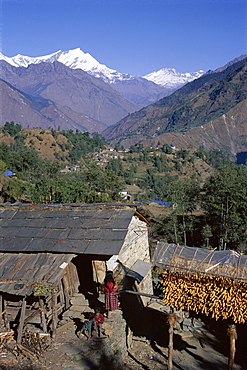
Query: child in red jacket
98	320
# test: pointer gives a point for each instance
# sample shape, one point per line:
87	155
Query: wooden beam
1	310
141	217
42	315
21	323
66	291
31	316
6	322
171	320
54	315
232	334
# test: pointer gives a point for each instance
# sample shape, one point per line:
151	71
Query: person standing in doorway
111	300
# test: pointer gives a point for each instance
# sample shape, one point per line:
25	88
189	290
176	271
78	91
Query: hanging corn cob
217	296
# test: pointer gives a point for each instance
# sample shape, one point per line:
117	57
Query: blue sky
132	36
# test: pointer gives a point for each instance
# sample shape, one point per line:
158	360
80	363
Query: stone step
79	300
75	311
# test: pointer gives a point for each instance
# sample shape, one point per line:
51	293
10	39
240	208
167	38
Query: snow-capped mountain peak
77	59
24	61
74	59
170	77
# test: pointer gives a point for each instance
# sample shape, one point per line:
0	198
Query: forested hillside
209	111
206	192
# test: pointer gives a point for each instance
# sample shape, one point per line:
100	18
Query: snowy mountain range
77	59
72	90
170	77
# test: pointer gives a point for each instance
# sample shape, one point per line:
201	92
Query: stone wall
116	343
135	247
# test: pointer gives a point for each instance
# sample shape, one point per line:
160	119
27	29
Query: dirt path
199	350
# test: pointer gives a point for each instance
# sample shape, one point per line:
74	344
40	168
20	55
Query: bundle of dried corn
219	297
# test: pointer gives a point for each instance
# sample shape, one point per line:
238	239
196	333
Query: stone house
52	253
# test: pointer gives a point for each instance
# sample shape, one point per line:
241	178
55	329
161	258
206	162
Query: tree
224	198
168	228
4	152
3	166
166	149
12	190
11	128
206	234
184	193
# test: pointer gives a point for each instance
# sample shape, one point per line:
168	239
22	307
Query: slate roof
76	229
18	271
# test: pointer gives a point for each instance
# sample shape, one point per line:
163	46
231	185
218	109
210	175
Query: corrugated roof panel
115	224
7	213
83	213
109	248
70	246
57	234
57	223
2	222
63	229
41	245
108	234
125	213
55	274
9	231
104	213
47	266
31	232
139	270
90	223
6	264
14	244
38	222
41	271
57	213
100	234
2	265
16	223
27	214
30	264
18	267
73	223
82	234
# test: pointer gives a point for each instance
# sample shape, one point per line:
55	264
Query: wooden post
4	314
21	323
61	293
1	311
232	334
54	314
171	320
66	291
42	315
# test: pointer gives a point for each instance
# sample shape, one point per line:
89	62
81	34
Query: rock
79	300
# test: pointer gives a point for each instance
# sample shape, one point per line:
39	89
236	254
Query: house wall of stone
136	247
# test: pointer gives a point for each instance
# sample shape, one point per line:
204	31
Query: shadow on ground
152	325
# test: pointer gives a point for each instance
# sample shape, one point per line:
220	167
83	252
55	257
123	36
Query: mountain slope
140	90
199	103
72	88
37	112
